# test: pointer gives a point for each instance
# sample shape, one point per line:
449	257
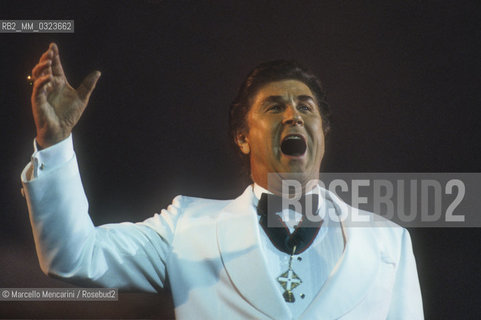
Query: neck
287	184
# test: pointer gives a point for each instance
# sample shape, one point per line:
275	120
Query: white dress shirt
313	266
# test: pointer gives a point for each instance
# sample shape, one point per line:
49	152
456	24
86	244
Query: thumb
88	85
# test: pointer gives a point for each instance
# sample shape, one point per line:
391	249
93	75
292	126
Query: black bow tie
304	234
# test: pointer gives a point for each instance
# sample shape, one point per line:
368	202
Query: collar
258	191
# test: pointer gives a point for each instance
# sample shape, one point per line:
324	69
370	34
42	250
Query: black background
403	80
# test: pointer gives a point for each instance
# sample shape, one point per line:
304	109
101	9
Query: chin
295	165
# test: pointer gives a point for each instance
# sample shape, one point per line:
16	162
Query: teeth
293	138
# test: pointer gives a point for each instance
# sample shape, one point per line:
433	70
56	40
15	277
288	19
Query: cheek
315	129
318	138
262	141
259	142
322	142
260	132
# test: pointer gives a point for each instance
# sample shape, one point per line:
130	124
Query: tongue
293	147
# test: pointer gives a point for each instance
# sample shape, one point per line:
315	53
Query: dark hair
269	72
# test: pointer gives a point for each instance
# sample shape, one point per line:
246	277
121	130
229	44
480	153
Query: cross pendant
289	280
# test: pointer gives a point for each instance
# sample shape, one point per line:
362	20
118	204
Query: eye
275	108
304	107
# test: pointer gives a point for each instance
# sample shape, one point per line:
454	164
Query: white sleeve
406	301
48	159
127	256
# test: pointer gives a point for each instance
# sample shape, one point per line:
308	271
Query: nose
292	117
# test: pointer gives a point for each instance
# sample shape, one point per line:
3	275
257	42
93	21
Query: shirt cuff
52	157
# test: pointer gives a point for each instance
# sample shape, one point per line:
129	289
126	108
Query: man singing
229	259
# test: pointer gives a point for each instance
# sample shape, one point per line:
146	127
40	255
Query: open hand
56	106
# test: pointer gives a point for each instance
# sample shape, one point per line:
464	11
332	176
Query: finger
88	85
40	89
41	68
47	55
56	65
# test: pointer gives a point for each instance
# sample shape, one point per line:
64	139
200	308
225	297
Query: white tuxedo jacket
208	252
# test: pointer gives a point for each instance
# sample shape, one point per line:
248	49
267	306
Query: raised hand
56	106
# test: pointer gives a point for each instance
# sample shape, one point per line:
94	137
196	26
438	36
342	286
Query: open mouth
293	145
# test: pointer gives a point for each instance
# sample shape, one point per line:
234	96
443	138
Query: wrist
44	142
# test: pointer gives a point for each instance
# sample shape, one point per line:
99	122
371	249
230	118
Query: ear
243	142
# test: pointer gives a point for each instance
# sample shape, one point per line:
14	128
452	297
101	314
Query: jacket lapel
239	244
352	276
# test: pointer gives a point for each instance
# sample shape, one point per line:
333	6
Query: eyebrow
306	98
280	99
